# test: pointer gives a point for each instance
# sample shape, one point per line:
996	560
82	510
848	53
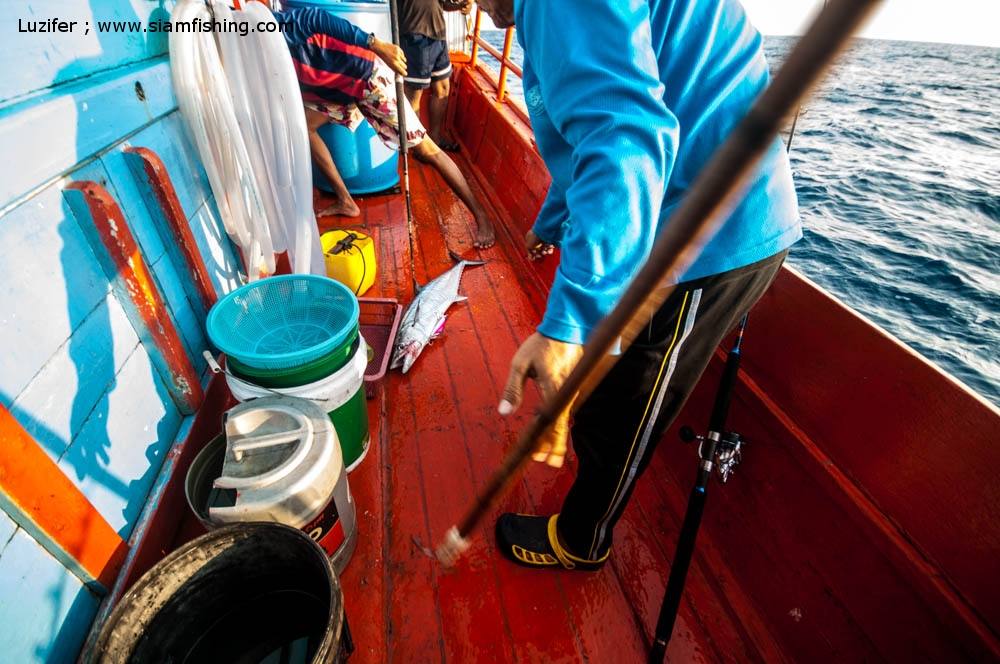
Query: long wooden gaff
696	220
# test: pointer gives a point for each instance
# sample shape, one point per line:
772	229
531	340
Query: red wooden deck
860	527
811	553
438	436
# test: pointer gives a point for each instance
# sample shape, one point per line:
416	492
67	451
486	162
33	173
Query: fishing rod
798	111
404	149
717	449
791	132
712	196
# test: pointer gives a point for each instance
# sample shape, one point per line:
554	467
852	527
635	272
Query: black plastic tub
248	593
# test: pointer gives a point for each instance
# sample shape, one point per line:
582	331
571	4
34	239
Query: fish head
407	354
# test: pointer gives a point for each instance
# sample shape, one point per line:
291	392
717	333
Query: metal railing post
475	37
506	65
508	39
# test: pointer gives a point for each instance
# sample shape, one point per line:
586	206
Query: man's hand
464	6
535	247
548	362
391	55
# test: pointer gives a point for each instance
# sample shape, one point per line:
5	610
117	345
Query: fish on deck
424	318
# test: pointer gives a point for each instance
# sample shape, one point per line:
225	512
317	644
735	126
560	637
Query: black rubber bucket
248	593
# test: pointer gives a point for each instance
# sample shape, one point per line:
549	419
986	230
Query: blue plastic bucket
365	163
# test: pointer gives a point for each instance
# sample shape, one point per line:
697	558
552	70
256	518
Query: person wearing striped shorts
346	77
424	40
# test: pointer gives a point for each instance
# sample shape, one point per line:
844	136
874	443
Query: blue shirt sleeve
312	20
552	217
599	82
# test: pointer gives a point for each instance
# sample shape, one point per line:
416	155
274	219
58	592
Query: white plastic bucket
340	394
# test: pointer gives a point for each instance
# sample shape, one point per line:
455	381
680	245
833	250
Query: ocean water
897	167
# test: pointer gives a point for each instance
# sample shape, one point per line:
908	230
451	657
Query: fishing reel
728	450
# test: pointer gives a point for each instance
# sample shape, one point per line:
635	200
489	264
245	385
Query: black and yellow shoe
532	541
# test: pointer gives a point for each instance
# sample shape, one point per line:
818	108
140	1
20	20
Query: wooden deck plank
533	605
414	621
363	580
472	631
613	634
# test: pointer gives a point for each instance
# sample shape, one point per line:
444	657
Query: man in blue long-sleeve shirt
628	100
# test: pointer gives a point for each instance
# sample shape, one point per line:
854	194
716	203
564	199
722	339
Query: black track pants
616	430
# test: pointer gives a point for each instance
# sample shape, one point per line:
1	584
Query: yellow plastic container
350	258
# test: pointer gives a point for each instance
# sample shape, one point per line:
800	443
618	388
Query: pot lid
280	450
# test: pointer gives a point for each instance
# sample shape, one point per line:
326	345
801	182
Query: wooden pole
403	148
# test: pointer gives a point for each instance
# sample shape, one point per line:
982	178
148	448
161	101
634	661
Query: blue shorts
426	60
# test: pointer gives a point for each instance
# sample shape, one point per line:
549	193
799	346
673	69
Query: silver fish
425	315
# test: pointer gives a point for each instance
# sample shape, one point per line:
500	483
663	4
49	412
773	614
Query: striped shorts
378	108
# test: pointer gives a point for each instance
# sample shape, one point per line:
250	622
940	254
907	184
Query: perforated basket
283	322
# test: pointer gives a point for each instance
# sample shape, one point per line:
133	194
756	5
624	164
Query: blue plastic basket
283	322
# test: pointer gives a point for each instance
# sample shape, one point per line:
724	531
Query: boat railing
503	57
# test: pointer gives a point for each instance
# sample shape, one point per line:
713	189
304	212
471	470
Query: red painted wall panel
917	444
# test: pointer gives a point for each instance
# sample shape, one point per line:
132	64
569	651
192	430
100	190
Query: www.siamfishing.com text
242	28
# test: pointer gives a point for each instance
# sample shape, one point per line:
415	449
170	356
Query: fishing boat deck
801	556
835	539
821	548
437	437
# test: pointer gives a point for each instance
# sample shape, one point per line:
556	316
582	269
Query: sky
952	21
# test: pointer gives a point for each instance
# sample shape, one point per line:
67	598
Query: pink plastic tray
379	322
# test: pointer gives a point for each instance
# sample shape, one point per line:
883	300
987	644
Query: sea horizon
896	160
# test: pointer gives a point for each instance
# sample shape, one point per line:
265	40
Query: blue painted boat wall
73	370
43	60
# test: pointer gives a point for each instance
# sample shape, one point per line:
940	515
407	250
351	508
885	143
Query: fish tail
458	259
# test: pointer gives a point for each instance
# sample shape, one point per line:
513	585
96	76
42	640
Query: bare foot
340	209
485	236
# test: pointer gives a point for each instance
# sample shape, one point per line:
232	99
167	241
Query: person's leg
440	91
617	429
428	152
438	110
414	95
418	68
380	109
344	204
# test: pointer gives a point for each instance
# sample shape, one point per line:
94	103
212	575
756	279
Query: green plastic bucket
341	394
310	372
